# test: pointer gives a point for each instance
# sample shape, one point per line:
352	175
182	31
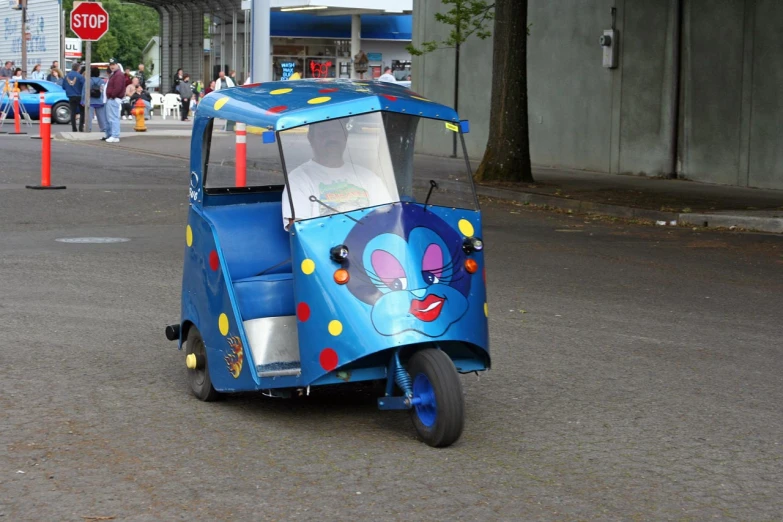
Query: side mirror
464	126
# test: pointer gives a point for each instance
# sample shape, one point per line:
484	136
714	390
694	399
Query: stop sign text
89	20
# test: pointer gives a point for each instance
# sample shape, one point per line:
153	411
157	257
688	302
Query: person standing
223	81
387	76
37	73
74	86
97	100
115	90
185	93
142	77
7	70
55	67
56	76
176	80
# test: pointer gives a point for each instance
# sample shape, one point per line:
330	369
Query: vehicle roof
283	105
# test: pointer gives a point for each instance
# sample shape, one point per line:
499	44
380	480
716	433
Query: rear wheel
198	377
61	113
438	413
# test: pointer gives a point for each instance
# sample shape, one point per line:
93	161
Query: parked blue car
29	96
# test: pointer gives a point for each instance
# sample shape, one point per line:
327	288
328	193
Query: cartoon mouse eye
430	278
400	283
432	264
389	270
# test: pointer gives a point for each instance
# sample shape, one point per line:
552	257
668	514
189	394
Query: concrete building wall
583	116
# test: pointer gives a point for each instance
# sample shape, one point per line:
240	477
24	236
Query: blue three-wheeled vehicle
341	256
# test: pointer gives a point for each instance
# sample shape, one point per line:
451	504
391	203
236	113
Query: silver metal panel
274	344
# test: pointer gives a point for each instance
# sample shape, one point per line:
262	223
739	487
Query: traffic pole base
41	187
40	138
17	134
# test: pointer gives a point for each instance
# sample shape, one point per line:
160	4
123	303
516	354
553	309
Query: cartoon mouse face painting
411	273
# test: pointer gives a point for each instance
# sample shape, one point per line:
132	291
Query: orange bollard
241	155
41	102
17	116
46	152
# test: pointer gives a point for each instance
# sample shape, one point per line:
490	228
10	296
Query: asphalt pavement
636	374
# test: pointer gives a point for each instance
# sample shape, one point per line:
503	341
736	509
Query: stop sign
89	20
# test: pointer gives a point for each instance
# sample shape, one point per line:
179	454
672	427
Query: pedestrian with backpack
97	102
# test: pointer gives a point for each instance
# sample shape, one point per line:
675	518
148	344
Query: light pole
24	38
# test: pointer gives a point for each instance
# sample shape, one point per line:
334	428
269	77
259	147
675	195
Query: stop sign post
89	21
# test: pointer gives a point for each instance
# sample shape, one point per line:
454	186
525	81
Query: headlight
339	253
472	244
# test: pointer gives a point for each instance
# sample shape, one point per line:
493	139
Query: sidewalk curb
757	224
96	136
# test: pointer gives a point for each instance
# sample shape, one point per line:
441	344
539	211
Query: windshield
368	160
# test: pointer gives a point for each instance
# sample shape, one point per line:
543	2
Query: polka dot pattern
303	312
221	102
189	236
281	91
277	109
223	324
328	359
308	266
214	260
328	90
335	327
486	310
466	227
320	99
389	97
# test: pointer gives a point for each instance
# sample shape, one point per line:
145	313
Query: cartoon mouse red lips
427	309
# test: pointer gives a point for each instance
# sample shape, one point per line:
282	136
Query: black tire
449	419
199	380
61	113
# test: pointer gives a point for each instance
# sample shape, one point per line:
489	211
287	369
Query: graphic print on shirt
342	196
411	273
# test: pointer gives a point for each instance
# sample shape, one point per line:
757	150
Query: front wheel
198	372
61	113
438	413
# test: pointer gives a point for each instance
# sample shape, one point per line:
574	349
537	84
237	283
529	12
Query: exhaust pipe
172	332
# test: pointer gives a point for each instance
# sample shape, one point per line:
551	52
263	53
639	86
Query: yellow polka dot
335	327
419	98
189	236
357	83
320	99
308	266
281	91
223	324
486	310
220	103
465	227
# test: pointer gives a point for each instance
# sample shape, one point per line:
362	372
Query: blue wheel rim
426	407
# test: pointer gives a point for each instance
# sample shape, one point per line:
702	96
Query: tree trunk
507	156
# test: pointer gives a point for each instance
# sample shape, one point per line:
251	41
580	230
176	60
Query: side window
223	159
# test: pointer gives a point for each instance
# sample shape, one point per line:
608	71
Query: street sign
73	48
89	20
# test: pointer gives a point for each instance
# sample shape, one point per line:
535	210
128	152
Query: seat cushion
252	238
270	295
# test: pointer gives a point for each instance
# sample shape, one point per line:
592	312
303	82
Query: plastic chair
171	105
157	102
